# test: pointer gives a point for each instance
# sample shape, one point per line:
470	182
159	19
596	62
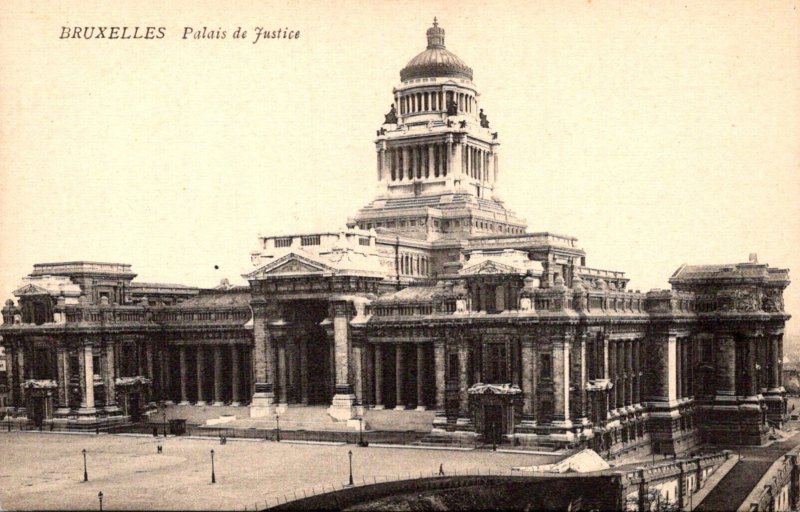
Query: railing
274	434
524	240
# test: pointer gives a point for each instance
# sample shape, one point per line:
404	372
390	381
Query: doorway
493	427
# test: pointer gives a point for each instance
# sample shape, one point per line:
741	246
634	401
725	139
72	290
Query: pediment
291	265
30	289
490	267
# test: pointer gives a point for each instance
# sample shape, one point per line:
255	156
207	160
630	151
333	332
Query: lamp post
350	455
278	428
100	497
213	475
164	413
85	474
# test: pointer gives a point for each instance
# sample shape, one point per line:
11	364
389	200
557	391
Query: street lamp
213	475
100	497
350	454
85	474
278	430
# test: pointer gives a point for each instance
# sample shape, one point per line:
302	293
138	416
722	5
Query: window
452	367
363	240
496	372
545	367
310	240
283	242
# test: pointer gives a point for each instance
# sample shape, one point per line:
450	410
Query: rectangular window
452	368
545	367
283	242
310	240
363	240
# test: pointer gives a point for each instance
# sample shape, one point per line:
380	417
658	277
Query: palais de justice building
435	297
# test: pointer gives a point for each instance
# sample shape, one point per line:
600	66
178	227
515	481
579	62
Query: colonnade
619	363
477	163
414	264
218	374
413	102
416	161
399	374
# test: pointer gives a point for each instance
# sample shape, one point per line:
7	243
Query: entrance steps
312	418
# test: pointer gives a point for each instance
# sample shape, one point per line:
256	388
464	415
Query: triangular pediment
490	267
291	265
30	289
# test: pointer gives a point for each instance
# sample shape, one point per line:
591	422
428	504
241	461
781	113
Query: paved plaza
45	471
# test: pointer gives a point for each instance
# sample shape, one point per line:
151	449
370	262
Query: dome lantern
436	60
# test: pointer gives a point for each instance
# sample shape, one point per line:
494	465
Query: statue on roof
391	117
484	119
452	108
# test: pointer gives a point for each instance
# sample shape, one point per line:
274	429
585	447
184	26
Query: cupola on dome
436	60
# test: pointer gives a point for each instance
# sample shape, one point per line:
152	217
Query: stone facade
433	297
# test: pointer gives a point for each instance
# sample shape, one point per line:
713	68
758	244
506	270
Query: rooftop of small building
82	267
236	297
752	270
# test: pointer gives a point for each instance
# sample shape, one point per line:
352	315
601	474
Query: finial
435	22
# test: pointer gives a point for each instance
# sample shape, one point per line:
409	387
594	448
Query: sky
657	133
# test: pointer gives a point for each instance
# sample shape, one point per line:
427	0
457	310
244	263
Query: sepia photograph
399	255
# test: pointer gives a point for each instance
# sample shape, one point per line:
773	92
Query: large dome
436	60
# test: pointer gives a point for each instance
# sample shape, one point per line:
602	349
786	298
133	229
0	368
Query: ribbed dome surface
436	60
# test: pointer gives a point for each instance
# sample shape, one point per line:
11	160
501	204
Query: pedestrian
159	448
441	469
155	431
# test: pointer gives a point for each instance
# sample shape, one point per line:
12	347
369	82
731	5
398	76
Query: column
679	367
620	351
87	402
751	389
774	376
381	160
561	380
149	360
406	163
199	351
235	374
399	374
420	377
463	382
109	378
582	377
358	374
217	375
431	157
726	365
342	407
629	372
612	374
304	370
21	375
263	357
438	361
163	365
63	379
637	369
282	371
378	376
184	374
528	387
